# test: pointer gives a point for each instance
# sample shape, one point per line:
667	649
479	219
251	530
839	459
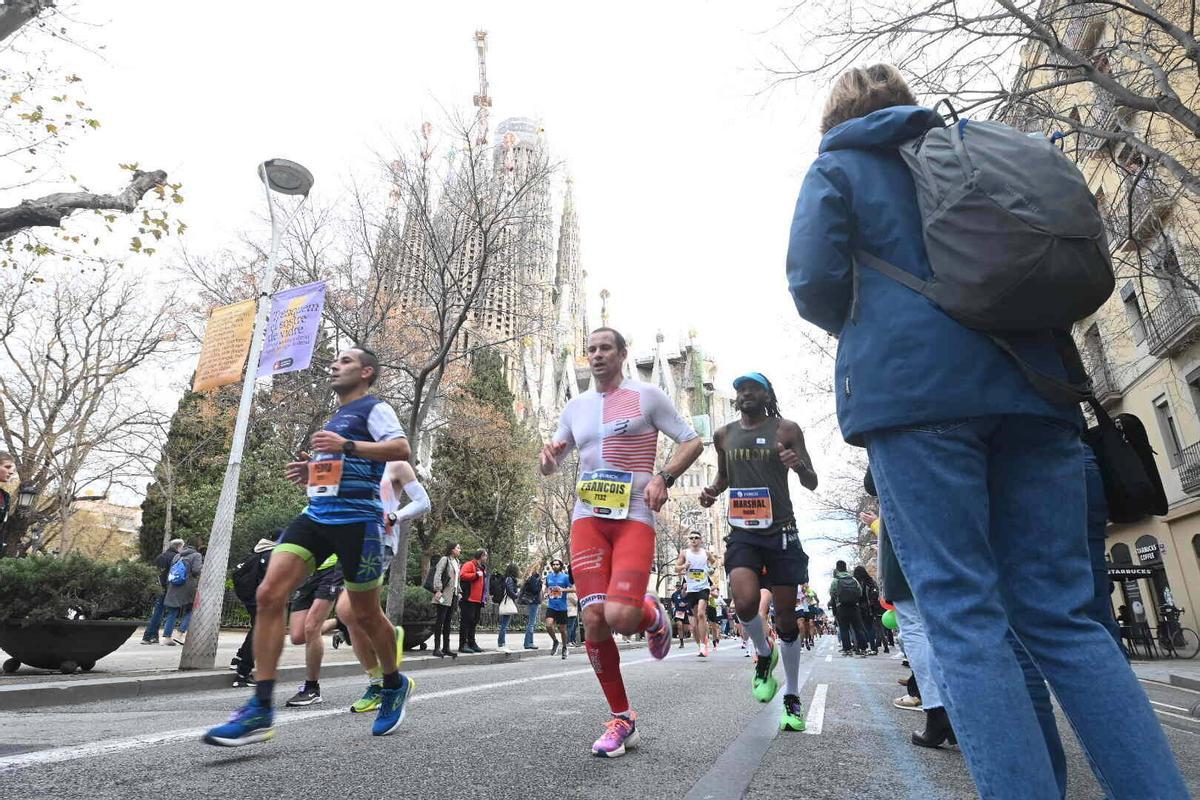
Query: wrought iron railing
1189	468
1176	315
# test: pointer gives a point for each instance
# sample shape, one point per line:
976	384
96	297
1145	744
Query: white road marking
108	747
815	721
828	659
1168	706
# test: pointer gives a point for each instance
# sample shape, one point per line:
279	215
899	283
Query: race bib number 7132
607	492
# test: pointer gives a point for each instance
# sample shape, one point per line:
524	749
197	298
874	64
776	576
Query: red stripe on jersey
632	453
622	404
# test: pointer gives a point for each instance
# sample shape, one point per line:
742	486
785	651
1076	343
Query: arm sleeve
383	423
666	418
418	504
468	571
819	251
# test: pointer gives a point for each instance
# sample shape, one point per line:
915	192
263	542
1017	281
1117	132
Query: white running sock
754	627
789	652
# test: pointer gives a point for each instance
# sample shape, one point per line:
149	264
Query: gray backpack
1014	238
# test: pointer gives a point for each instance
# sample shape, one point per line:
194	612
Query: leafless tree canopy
69	410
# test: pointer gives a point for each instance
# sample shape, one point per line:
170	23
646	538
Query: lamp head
285	177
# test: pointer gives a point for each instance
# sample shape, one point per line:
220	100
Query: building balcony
1189	469
1173	324
1103	116
1149	202
1104	387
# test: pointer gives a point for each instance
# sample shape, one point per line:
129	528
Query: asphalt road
523	730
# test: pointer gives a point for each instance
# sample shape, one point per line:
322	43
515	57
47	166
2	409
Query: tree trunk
398	579
168	519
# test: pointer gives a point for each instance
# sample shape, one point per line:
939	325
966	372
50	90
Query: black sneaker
554	648
241	681
305	697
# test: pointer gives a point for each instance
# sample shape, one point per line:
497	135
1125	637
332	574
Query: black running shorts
778	552
358	545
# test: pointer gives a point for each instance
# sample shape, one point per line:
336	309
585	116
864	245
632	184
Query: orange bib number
324	475
750	509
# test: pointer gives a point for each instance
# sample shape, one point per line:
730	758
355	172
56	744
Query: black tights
441	628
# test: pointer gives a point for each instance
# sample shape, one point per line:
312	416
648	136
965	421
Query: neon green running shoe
369	701
793	714
764	686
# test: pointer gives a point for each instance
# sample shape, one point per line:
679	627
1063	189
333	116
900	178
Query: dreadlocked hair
772	405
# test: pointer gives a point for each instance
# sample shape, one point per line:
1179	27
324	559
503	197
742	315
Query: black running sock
265	691
392	680
312	686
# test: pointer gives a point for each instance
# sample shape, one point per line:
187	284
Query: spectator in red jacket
473	577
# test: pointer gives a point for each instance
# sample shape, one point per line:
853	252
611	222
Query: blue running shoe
249	724
393	703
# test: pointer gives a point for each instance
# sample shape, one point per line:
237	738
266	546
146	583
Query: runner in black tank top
755	455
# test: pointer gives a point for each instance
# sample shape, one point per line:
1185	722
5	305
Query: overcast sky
685	171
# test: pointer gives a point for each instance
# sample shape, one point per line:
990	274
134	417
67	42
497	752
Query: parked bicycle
1176	640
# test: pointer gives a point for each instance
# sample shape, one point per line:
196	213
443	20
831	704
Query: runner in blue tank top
343	518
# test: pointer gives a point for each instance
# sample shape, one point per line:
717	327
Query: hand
656	493
550	454
327	442
437	597
297	471
868	518
708	496
790	458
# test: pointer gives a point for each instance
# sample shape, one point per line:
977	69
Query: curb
39	695
1183	682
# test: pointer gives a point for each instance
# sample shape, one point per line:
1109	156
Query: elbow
402	450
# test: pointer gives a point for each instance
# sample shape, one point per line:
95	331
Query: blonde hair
860	90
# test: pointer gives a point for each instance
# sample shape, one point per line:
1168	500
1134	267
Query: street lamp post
282	177
26	495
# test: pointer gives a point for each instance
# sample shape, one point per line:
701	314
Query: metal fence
234	615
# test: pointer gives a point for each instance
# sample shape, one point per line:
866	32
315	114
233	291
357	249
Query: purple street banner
292	329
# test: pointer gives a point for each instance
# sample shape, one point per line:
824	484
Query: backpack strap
863	258
1078	386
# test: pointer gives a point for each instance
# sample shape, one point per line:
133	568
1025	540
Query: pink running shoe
659	641
619	734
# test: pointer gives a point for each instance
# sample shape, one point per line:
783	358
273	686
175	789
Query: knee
746	605
788	630
624	620
297	635
312	629
271	596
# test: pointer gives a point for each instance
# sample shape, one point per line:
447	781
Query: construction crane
483	100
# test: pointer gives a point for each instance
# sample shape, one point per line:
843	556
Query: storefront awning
1129	573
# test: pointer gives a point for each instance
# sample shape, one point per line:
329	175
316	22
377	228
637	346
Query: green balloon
889	620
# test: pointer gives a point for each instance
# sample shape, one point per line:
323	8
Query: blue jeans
1100	609
572	628
530	624
155	622
988	518
504	618
174	614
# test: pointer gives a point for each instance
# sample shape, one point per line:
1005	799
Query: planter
64	645
416	632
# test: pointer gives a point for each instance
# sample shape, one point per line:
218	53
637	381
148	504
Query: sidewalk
1175	671
135	669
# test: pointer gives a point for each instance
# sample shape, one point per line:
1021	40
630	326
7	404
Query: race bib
324	475
680	614
606	492
750	509
697	575
555	593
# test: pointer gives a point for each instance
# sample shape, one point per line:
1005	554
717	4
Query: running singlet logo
750	509
324	475
607	492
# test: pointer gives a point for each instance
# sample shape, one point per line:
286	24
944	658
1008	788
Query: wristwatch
667	477
349	446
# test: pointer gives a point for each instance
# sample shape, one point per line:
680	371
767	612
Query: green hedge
49	588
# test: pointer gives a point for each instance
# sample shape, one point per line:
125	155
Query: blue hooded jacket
900	359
